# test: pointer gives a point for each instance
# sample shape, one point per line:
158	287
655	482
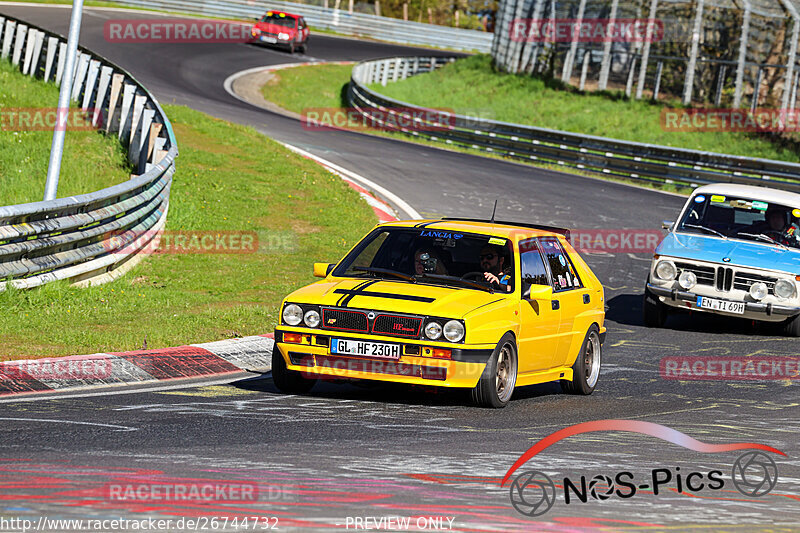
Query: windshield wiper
469	283
394	273
763	237
697	226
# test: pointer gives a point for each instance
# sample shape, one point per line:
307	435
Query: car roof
275	12
509	230
749	191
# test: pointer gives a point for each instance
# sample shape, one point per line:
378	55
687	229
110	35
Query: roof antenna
494	211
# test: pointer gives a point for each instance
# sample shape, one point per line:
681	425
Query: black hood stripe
360	292
349	294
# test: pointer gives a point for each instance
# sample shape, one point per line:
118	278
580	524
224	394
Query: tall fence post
787	84
741	63
688	85
605	65
57	147
646	49
566	73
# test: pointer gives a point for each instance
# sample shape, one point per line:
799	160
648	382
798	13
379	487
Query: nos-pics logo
533	493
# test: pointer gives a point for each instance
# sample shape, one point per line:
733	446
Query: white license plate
365	349
720	305
272	40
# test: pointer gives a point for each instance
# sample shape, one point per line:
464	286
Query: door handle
556	305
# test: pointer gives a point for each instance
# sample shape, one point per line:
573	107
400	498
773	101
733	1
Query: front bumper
675	298
313	356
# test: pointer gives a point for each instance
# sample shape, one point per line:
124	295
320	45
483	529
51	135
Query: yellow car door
569	294
540	317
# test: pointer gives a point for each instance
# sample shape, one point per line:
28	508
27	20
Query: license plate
378	350
272	40
720	305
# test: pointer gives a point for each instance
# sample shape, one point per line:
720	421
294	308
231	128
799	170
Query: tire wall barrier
96	237
620	159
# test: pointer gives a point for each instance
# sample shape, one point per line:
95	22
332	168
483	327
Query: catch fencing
333	19
86	239
610	157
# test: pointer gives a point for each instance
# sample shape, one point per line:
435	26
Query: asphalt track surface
344	452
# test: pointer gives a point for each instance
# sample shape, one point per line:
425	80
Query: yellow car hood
395	296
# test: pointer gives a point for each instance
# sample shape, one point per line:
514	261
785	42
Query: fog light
784	289
759	291
433	330
687	279
666	270
311	319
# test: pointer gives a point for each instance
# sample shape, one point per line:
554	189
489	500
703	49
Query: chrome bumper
767	309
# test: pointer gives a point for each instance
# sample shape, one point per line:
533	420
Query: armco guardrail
623	159
339	20
94	237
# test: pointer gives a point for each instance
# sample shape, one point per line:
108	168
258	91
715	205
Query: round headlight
311	318
292	314
784	289
666	270
759	291
433	330
454	331
687	279
283	36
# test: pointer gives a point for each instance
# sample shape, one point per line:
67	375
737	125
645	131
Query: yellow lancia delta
477	304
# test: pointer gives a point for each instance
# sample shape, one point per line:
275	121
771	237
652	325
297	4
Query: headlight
283	36
454	331
292	314
666	270
687	279
784	289
311	318
256	32
433	330
759	291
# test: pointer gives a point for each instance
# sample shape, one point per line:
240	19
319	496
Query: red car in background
282	29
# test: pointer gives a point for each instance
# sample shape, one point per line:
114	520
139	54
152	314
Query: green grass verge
229	178
472	84
91	161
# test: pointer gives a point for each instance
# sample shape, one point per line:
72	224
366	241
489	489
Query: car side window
533	270
563	273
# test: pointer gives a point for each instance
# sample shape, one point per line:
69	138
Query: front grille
724	279
705	275
402	326
744	280
342	320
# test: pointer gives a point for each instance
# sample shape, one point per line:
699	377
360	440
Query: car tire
654	312
291	48
303	48
496	385
791	328
586	369
288	381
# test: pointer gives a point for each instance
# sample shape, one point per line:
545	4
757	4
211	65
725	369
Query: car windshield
742	218
278	19
429	256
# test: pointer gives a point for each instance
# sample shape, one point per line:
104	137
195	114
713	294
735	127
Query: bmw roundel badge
726	259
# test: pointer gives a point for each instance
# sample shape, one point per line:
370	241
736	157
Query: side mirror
321	270
537	292
667	225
